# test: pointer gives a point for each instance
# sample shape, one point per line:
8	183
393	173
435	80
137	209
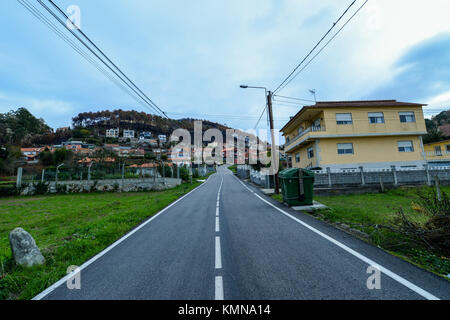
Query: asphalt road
225	240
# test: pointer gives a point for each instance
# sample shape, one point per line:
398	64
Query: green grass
70	229
233	168
365	210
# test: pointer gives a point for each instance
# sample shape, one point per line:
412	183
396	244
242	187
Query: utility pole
272	133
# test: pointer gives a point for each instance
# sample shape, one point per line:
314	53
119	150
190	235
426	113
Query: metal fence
359	177
64	173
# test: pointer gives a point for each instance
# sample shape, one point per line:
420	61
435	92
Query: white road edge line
217	224
218	254
217	211
387	272
112	246
219	288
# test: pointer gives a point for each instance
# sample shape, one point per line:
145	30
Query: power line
314	48
260	117
225	116
332	38
104	55
35	12
98	57
287	105
291	98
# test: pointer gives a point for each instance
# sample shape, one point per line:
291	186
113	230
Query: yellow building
353	134
438	153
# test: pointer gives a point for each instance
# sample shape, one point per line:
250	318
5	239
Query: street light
272	129
57	170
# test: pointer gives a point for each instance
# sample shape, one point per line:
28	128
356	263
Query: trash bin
297	186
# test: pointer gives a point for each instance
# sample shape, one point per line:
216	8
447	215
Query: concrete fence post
427	171
178	172
363	180
43	175
164	173
394	174
19	177
438	188
381	184
123	176
329	177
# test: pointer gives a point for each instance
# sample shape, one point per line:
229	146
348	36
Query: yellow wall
369	150
361	123
304	160
365	150
292	134
430	151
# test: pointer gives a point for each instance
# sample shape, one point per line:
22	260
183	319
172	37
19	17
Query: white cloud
53	111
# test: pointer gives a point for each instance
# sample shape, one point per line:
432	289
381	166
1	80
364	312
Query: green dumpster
297	186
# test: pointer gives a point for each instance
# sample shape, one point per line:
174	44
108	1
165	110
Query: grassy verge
70	229
364	211
233	168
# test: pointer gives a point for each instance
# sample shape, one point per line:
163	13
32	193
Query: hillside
99	122
438	127
19	126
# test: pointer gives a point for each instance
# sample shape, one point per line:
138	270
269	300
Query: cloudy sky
191	56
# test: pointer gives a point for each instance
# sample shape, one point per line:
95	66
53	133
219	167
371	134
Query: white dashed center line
219	295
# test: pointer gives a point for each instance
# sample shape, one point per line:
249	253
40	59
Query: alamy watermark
74	17
239	147
74	280
374	280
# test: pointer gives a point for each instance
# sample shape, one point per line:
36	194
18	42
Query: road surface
225	240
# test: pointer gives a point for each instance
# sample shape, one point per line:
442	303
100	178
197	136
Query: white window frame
344	122
404	148
310	152
438	151
378	116
345	149
406	114
297	157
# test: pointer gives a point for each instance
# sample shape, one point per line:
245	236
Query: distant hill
99	122
438	127
19	126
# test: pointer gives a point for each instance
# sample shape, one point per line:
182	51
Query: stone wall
125	185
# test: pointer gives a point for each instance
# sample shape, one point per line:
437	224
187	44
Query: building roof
437	142
354	104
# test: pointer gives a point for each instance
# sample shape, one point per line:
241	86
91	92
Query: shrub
9	191
435	232
40	188
184	173
61	188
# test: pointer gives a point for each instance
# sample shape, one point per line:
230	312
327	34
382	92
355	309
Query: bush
40	188
184	174
61	188
435	232
195	173
9	191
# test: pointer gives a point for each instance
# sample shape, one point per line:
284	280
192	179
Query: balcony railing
438	154
304	132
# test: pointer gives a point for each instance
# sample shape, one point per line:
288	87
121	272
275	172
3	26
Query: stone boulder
24	248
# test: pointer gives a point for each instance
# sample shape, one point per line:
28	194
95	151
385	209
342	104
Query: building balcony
437	155
303	136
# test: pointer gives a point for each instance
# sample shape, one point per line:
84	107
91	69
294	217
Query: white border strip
218	254
219	289
112	246
387	272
